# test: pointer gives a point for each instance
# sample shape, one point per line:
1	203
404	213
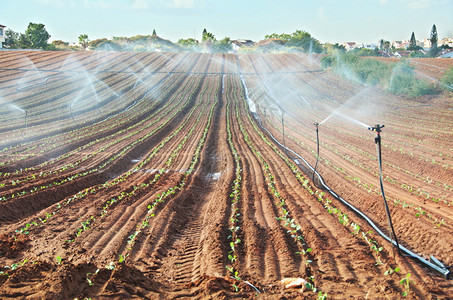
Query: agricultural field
430	69
146	175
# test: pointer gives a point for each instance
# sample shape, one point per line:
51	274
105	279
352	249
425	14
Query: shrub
447	79
326	61
397	78
403	81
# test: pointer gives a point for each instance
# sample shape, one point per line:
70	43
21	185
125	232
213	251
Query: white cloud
180	3
383	2
422	4
50	2
103	4
140	4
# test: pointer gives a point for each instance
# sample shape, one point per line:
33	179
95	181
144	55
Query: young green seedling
406	284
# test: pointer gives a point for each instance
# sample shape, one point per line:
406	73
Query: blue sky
327	20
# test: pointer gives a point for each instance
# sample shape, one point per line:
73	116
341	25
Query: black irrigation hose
434	264
72	116
26	123
377	140
317	153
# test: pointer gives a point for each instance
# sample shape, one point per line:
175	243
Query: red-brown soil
431	69
146	175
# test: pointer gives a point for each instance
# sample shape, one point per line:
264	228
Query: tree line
37	37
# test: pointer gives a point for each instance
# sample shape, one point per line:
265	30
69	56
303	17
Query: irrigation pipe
26	122
377	140
72	116
435	265
252	286
317	152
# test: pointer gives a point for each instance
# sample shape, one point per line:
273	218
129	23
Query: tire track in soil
102	241
253	258
128	214
182	162
195	220
276	244
260	257
114	240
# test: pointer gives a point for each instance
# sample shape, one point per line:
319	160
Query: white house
237	44
2	35
427	43
350	45
447	41
370	46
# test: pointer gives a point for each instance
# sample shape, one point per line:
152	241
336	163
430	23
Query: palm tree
83	40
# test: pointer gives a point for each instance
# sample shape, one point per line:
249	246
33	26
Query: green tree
433	39
386	46
11	39
60	43
154	32
207	36
96	43
333	48
299	39
36	35
224	45
190	42
23	42
83	41
412	42
381	44
366	52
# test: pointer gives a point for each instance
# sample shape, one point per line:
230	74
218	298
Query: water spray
377	140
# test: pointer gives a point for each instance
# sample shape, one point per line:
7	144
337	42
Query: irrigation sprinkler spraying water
26	122
378	129
72	116
283	132
317	150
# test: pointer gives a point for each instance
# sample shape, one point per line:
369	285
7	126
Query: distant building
371	46
402	53
446	54
350	45
427	43
270	45
241	43
447	41
384	54
395	44
2	35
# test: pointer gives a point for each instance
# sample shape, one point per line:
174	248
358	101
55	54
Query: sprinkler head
376	128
